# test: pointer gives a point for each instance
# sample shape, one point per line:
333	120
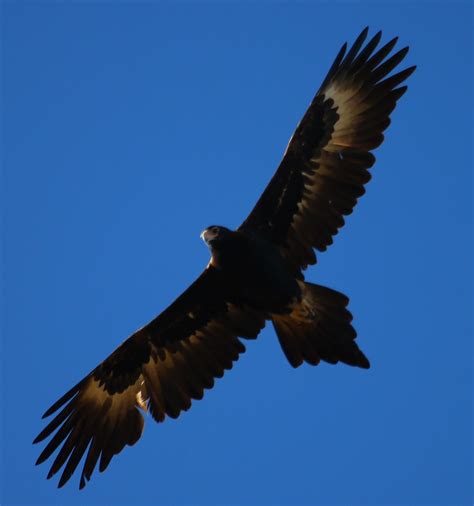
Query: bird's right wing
160	368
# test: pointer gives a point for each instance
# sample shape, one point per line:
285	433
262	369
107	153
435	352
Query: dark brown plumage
325	166
255	274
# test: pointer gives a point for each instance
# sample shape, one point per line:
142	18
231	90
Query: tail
319	328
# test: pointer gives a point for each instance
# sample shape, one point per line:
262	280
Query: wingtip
47	413
363	34
410	70
63	481
404	51
39	460
82	482
363	361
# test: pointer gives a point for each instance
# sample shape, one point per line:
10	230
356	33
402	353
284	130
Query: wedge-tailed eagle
255	274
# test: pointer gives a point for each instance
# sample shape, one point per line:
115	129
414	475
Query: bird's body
311	322
255	275
254	271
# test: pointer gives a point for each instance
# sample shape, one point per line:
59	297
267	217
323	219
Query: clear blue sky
129	127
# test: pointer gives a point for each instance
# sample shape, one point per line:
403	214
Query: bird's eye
215	230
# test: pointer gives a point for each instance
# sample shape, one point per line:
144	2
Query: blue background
128	128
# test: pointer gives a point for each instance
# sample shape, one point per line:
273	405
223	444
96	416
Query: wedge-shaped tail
319	328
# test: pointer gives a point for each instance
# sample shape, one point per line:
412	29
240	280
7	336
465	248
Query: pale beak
204	235
207	236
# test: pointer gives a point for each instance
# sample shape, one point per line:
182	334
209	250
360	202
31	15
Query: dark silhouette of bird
255	275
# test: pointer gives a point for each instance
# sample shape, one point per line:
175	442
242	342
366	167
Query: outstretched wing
325	166
160	368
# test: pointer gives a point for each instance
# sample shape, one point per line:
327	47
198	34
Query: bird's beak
204	235
208	236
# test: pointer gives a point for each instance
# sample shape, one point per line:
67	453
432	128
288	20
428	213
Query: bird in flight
255	275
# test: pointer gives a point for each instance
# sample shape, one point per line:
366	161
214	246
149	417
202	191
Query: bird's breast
256	274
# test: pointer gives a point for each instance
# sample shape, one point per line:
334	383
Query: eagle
255	275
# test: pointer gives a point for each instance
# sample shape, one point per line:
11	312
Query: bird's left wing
325	166
160	368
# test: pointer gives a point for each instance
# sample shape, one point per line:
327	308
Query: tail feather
319	328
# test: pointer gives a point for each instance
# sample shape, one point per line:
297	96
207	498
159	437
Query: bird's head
214	235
